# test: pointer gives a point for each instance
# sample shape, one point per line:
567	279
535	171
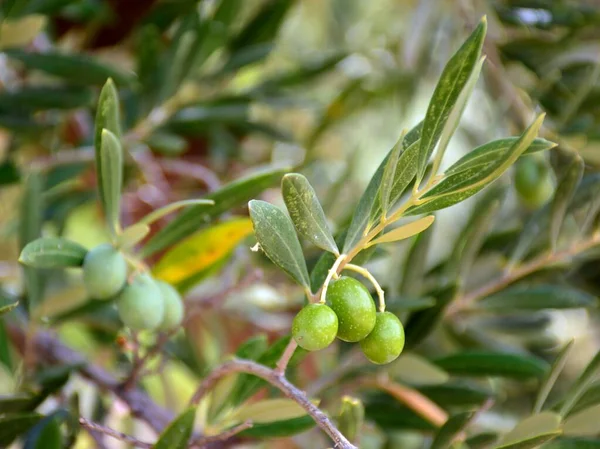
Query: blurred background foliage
213	91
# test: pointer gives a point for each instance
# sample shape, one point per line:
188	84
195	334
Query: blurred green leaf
451	429
581	385
46	434
279	429
75	68
52	252
583	423
19	402
390	415
573	443
177	435
538	297
148	50
111	173
481	440
166	143
532	431
351	418
132	235
478	364
7	305
413	268
453	80
40	98
108	117
306	212
389	174
413	369
227	197
456	394
404	304
562	196
531	442
457	187
277	237
166	210
12	426
552	376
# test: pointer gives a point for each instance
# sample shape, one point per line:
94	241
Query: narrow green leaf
229	196
30	99
532	431
581	385
20	402
413	369
451	429
351	418
453	80
306	212
277	238
166	210
591	397
369	207
46	434
538	297
389	174
13	426
562	197
404	304
405	231
6	306
112	178
476	364
390	415
53	252
573	443
133	235
108	117
177	435
471	237
415	265
552	376
76	68
457	187
583	423
481	440
279	429
457	394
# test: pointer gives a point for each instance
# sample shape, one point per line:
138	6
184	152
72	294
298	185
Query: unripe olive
315	327
173	313
354	307
533	181
104	271
141	304
385	343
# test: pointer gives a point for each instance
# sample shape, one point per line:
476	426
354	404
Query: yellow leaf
19	32
201	251
268	410
406	231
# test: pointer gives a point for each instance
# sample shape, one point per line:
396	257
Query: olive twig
333	272
370	277
95	427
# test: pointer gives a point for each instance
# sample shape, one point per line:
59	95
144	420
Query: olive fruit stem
370	277
333	272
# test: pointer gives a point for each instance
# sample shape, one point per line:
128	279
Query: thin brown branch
285	358
223	436
89	425
281	383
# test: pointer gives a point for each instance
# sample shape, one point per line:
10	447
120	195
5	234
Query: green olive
104	271
315	327
533	181
385	343
354	307
173	313
140	304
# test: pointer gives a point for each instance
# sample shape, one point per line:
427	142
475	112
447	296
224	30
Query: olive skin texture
385	343
315	327
104	271
173	304
354	307
533	181
140	304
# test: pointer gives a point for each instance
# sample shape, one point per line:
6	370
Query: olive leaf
581	385
177	435
306	212
583	423
277	238
451	429
389	174
351	418
479	363
405	231
413	369
108	117
415	264
453	80
532	431
52	252
562	197
459	186
111	170
166	210
538	297
133	235
552	376
191	219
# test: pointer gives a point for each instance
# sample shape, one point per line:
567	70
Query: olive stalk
364	272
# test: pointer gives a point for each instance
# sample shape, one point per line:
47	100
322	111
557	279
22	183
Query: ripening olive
104	271
140	304
173	313
385	343
315	327
533	181
354	307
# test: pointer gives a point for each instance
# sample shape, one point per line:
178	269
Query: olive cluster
350	315
142	301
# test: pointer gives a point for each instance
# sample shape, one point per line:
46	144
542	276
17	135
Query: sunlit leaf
279	428
413	369
268	410
132	235
277	237
405	231
166	210
306	212
52	252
